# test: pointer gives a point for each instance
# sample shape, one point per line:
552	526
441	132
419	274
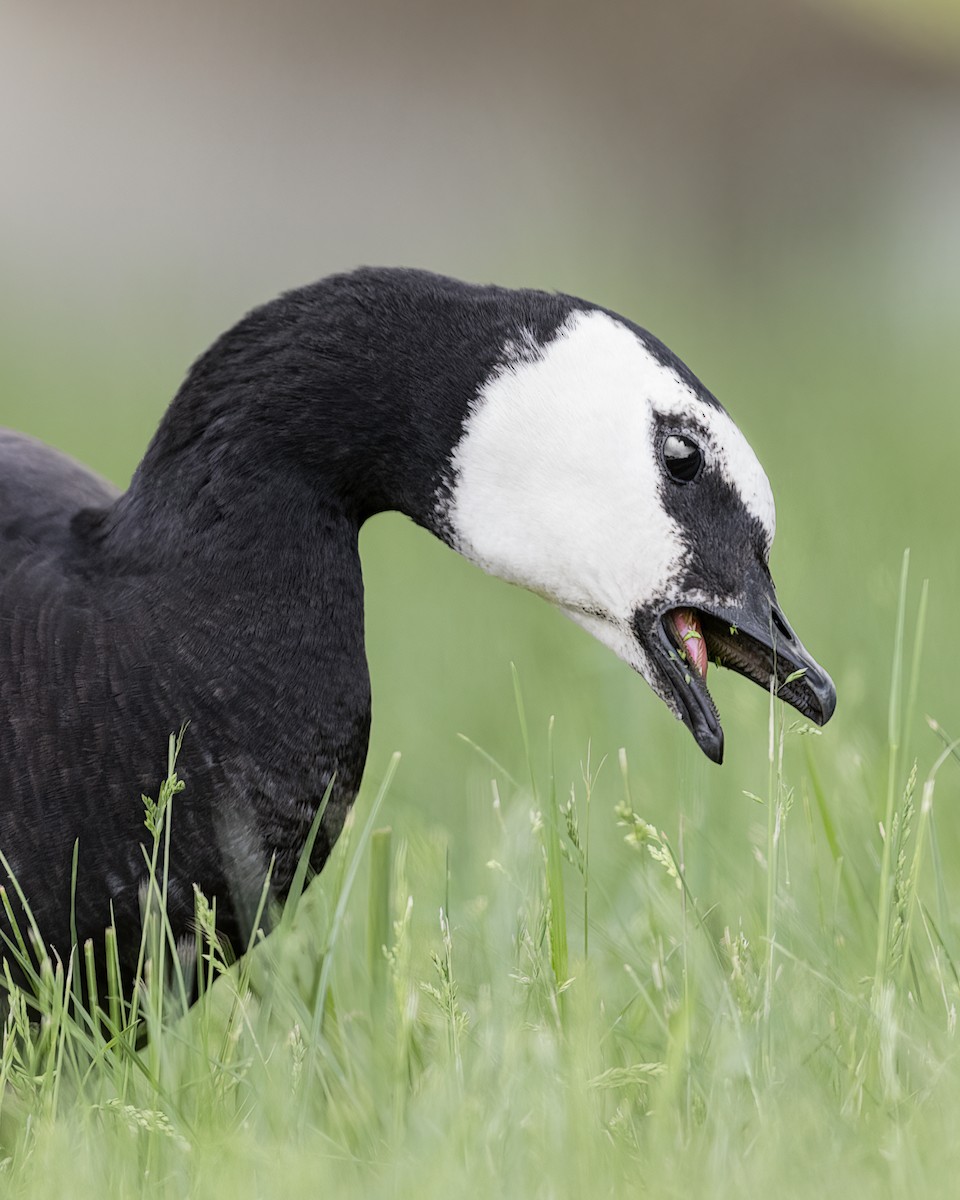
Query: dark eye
682	458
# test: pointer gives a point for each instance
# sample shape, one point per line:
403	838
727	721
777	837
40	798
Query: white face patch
556	479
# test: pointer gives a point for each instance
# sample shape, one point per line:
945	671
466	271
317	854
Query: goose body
543	437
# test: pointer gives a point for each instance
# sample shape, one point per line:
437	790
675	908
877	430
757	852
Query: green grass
582	960
802	1043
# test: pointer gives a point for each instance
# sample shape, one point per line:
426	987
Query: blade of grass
378	919
559	950
344	896
885	895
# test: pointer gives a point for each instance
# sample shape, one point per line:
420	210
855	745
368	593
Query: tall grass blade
303	862
885	896
379	925
559	950
343	897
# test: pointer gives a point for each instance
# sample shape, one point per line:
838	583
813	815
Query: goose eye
682	458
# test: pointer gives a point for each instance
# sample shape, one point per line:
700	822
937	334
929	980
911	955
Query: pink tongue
691	636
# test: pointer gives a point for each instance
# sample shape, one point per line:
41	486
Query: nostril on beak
781	626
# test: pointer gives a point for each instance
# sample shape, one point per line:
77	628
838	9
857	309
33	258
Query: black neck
232	559
349	394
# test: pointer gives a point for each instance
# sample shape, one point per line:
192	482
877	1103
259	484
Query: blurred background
771	186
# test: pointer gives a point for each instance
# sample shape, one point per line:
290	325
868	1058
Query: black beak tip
824	694
710	742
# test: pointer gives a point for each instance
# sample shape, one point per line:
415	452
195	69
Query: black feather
224	589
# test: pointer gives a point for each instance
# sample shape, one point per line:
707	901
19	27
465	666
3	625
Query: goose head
595	470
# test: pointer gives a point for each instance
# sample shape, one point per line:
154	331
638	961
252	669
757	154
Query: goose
550	441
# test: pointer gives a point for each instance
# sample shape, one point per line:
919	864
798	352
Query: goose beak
751	637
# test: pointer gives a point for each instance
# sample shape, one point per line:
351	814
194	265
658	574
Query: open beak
753	638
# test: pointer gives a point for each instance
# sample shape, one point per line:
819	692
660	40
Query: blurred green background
771	186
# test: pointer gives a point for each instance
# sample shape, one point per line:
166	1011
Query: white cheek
556	483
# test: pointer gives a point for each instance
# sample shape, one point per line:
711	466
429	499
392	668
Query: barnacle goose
550	441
